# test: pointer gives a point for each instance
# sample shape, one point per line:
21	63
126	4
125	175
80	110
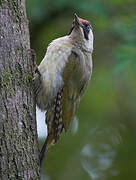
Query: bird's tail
54	125
45	148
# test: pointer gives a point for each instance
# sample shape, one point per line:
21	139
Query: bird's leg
37	71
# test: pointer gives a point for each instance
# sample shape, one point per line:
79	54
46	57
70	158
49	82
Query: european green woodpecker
62	78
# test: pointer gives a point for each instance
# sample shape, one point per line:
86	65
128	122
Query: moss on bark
19	153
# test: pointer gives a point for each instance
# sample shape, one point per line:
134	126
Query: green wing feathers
72	77
61	114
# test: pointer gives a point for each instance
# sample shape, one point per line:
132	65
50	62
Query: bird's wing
68	97
61	114
75	83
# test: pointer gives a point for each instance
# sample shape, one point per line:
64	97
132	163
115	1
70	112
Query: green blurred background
101	143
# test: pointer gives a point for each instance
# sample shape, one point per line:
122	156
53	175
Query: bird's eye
88	27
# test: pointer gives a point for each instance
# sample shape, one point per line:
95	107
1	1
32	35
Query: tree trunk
19	154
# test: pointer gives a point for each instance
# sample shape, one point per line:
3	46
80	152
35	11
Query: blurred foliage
104	146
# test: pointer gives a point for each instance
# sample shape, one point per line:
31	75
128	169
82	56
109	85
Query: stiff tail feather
54	125
45	148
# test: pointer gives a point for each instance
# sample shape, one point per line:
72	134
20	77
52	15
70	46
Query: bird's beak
77	21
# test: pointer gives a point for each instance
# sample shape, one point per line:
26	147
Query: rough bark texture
19	154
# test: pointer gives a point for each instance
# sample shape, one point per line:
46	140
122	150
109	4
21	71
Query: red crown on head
83	20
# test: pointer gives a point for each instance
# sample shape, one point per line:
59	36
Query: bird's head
81	32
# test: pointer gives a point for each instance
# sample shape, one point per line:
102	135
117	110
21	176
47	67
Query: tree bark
19	153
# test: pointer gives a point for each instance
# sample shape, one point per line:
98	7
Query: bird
62	78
